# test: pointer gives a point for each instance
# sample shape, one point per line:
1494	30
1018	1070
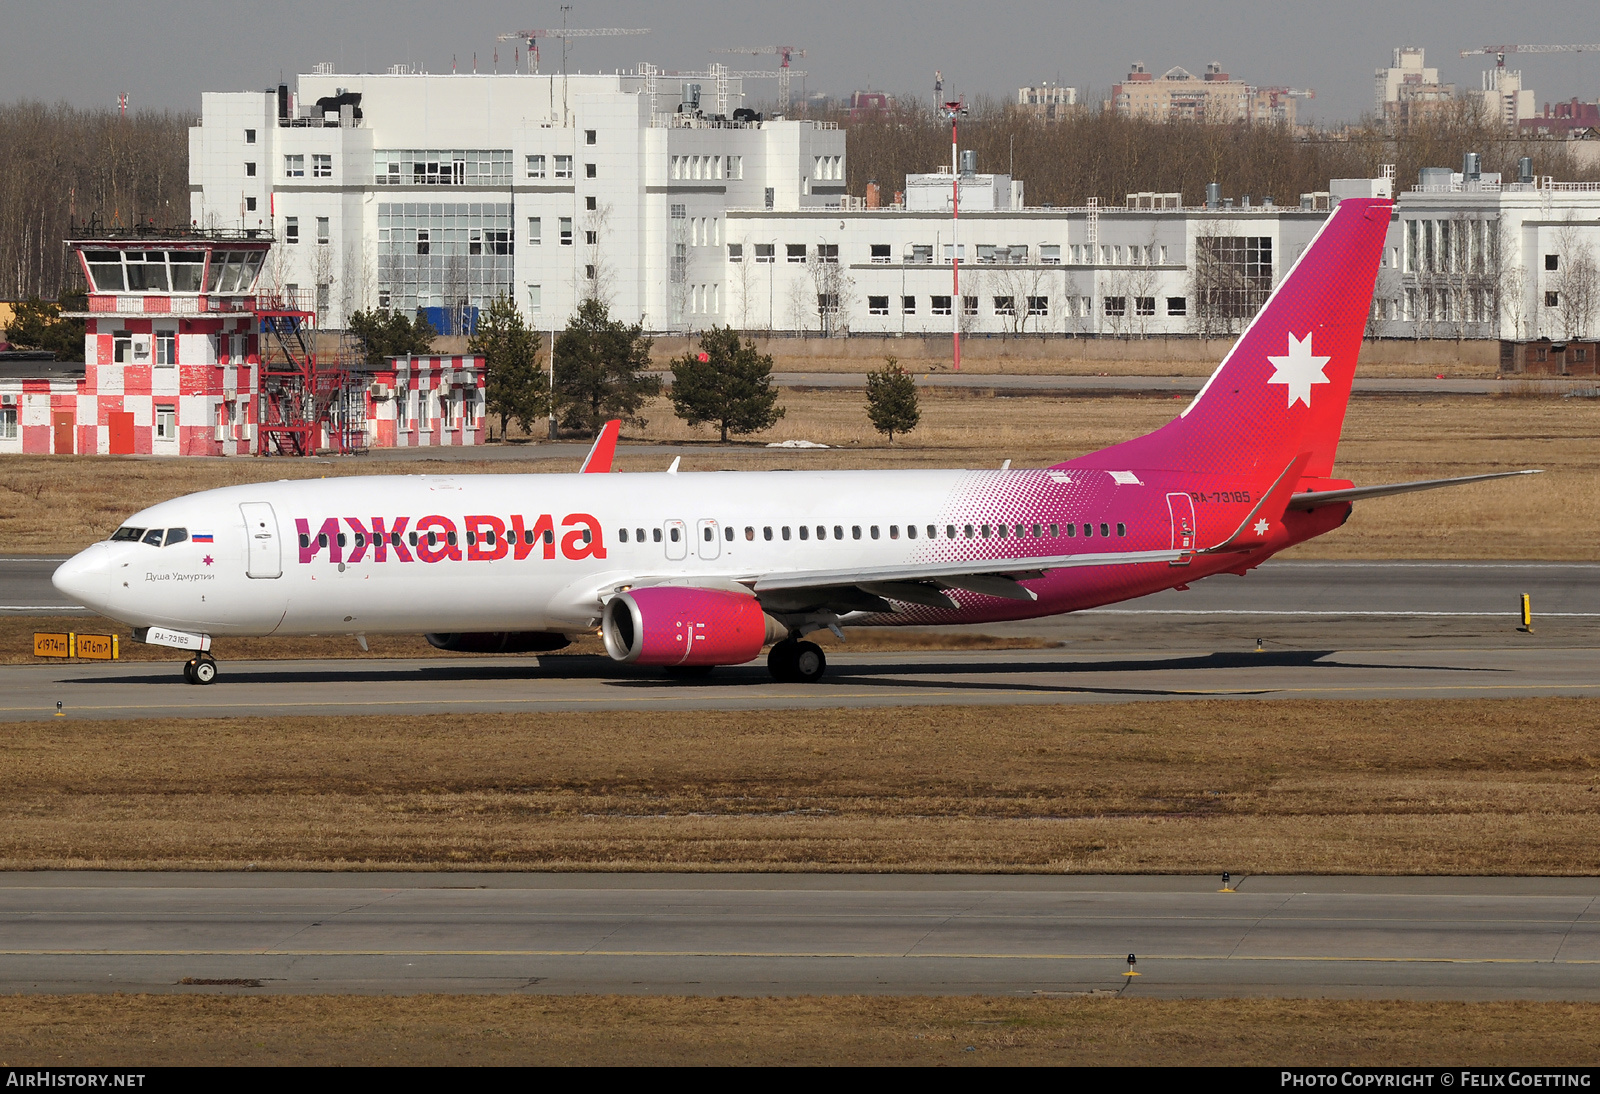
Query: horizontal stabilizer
1315	498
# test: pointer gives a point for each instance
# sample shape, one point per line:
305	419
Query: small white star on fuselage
1262	527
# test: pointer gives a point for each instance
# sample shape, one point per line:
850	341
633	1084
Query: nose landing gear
200	669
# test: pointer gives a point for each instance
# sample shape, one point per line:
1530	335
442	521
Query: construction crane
783	73
1499	52
531	37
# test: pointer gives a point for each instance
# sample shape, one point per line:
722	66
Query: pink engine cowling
677	625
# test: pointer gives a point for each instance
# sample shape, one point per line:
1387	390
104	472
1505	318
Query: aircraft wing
870	588
1312	499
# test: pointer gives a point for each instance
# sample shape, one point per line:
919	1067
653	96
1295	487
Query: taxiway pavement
1457	938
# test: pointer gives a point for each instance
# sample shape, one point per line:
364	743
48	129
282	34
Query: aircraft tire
203	672
188	671
809	663
781	660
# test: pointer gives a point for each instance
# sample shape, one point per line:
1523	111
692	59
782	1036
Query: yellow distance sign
52	645
96	647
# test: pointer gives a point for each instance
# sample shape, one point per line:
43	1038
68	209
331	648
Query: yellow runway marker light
1527	615
1132	961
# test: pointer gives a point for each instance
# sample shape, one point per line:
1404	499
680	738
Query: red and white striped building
415	402
173	366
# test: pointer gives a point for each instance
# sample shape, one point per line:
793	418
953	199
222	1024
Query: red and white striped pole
954	110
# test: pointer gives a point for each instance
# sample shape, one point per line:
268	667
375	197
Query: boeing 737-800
694	570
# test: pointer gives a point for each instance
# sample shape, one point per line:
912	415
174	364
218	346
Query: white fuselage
579	538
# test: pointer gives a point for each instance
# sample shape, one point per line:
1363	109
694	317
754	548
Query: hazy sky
164	53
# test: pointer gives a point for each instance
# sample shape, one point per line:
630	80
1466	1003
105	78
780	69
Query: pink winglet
598	462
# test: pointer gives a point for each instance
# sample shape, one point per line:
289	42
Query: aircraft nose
86	576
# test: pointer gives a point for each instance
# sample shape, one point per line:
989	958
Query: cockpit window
127	535
176	535
153	537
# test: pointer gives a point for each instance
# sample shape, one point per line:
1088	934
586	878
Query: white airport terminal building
681	210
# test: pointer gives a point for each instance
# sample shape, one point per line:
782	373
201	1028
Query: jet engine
675	625
499	642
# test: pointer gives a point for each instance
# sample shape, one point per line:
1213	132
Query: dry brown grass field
50	504
131	1032
1451	787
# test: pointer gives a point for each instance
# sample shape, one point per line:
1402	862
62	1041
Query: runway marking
802	954
1265	689
42	608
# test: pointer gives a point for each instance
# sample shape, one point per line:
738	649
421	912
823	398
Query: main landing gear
797	662
200	669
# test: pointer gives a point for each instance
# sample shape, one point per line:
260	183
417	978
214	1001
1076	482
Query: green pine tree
37	324
600	370
727	384
517	387
892	399
387	334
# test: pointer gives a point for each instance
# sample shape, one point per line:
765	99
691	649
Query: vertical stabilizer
1282	390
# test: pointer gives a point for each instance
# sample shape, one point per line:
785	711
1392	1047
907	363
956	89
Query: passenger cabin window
785	531
655	534
1122	529
766	532
622	535
805	533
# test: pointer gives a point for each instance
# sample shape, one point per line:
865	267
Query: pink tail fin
598	462
1283	388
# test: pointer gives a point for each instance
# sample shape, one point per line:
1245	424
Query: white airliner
689	571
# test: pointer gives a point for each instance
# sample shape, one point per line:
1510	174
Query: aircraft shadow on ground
930	675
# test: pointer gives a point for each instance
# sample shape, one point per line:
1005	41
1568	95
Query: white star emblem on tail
1298	370
1262	527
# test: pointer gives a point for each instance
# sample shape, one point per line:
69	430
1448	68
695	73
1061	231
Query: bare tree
1576	283
742	278
599	277
835	292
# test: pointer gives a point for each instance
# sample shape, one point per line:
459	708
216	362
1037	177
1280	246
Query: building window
321	165
969	305
1050	254
736	167
877	305
249	136
250	169
939	305
590	136
8	423
249	205
324	295
535	298
679	212
383	299
588	170
166	347
591	203
1005	305
766	252
1552	262
736	252
291	230
1038	305
322	229
588	273
796	251
771	198
424	241
535	228
880	254
1552	299
591	237
566	231
536	167
1177	305
827	252
908	305
1144	305
294	166
563	167
1116	305
166	423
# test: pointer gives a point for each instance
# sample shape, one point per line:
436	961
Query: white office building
440	192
